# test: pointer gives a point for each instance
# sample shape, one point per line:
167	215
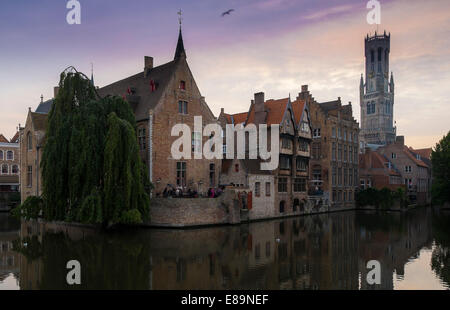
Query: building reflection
327	251
9	259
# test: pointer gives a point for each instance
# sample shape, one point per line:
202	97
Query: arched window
372	56
29	141
1	155
5	169
282	204
9	155
15	169
380	51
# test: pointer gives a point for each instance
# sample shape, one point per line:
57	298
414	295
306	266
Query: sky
273	46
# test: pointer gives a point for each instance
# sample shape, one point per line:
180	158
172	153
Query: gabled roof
237	118
144	98
3	139
425	153
298	106
15	139
275	111
378	162
413	157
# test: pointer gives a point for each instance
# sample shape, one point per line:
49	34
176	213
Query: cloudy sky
273	46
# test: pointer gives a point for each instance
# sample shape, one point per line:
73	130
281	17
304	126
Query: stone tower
377	93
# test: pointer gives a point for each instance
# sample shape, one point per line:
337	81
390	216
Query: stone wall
184	212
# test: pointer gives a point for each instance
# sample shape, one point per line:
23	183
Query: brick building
32	139
282	191
9	164
334	149
416	174
376	171
162	96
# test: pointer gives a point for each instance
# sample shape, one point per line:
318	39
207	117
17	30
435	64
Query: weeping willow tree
91	168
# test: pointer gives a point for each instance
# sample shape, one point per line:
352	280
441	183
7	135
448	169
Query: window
350	177
29	176
339	152
345	196
9	155
302	145
302	164
345	153
257	189
15	169
350	136
197	142
285	162
299	185
268	249
236	168
345	135
212	175
316	133
333	132
282	185
1	155
224	149
345	176
182	107
141	138
304	127
339	176
182	85
372	56
339	133
268	189
369	183
286	143
393	155
257	251
355	175
29	141
408	169
362	183
5	169
181	173
350	153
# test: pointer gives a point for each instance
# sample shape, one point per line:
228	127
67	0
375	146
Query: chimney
260	109
259	102
148	64
305	89
400	140
55	91
222	110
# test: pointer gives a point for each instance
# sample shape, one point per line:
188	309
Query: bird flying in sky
227	12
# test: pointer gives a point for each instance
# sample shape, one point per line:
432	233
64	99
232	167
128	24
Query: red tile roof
425	153
237	118
413	157
298	107
15	139
3	139
275	109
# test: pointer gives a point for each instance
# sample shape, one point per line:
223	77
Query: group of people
183	192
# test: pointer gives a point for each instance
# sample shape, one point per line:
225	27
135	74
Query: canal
328	251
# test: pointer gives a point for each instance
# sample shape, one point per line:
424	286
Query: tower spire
92	74
179	52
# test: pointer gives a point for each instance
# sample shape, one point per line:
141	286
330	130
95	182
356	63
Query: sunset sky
273	46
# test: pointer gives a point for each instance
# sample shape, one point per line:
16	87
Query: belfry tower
377	93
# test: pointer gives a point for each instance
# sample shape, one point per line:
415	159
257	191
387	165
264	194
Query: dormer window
182	85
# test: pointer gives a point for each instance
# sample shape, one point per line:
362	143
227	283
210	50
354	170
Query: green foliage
440	158
30	209
91	169
384	198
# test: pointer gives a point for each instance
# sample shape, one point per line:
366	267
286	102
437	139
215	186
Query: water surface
328	251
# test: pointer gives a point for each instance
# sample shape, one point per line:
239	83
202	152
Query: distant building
377	93
416	174
9	164
376	171
334	149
